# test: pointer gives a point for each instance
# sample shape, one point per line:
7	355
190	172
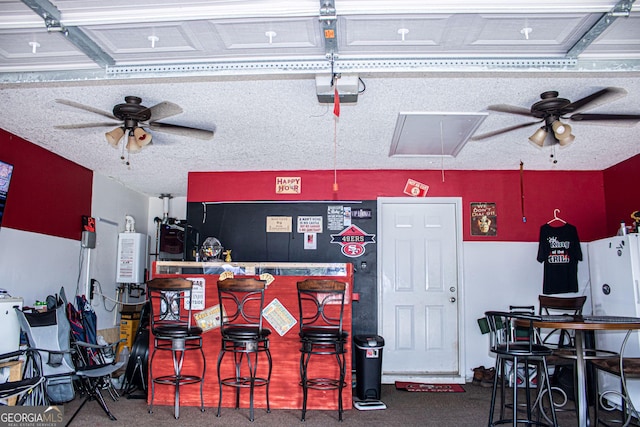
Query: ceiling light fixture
114	137
137	139
562	133
539	136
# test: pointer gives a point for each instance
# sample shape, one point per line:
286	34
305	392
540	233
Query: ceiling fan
551	109
130	117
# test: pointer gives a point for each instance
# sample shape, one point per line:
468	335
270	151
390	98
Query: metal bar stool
171	325
241	305
514	339
321	304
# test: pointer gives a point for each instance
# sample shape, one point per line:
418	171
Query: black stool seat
318	334
246	333
177	331
525	350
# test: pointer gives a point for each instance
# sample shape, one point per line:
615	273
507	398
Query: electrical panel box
132	257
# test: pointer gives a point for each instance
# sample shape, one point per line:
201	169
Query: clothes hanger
556	218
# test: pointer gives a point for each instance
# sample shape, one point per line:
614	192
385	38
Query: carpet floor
468	409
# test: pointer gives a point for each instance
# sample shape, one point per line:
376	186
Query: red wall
622	190
578	195
48	194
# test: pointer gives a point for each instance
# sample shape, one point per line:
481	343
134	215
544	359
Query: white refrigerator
614	269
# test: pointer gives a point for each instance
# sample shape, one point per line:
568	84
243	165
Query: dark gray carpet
470	408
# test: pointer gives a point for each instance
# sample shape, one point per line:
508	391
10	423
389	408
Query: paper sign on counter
278	317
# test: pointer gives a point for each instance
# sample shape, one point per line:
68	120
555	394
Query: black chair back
170	305
321	304
241	301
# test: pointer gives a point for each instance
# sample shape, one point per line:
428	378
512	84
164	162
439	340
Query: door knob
452	299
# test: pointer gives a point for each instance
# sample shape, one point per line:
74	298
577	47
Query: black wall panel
241	227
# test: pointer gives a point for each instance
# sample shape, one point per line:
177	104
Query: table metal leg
583	405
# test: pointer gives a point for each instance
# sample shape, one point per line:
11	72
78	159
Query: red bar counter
285	391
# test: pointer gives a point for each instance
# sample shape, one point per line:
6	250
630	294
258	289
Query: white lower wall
499	274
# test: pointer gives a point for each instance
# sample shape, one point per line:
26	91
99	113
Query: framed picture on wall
483	219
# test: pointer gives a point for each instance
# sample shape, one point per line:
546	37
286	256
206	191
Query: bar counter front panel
285	391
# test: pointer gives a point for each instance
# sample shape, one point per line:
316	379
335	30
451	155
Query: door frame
457	201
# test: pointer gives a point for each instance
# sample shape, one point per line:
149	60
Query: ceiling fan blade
163	110
504	130
86	125
627	120
86	108
510	109
181	130
601	97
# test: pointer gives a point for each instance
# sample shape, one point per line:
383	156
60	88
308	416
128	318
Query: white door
419	281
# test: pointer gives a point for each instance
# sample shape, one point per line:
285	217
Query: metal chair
173	331
561	341
243	335
513	339
321	304
626	368
28	390
67	363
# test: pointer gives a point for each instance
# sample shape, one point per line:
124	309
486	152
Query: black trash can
368	366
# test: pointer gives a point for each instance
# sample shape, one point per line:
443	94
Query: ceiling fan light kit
132	144
132	116
114	137
551	108
566	141
538	138
142	138
562	133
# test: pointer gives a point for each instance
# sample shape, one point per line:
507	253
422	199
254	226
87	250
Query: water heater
132	257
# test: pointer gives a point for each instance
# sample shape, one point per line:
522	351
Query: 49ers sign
353	240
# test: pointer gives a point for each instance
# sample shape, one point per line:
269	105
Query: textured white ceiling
278	124
267	117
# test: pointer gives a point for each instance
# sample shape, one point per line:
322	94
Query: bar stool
171	325
514	339
321	304
625	368
242	302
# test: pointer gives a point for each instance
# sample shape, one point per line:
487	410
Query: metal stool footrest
244	382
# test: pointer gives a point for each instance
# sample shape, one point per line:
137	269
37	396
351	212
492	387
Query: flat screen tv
5	179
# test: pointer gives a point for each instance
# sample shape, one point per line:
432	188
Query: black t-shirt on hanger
559	250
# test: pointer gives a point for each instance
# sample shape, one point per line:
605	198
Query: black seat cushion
323	334
244	333
177	331
523	350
